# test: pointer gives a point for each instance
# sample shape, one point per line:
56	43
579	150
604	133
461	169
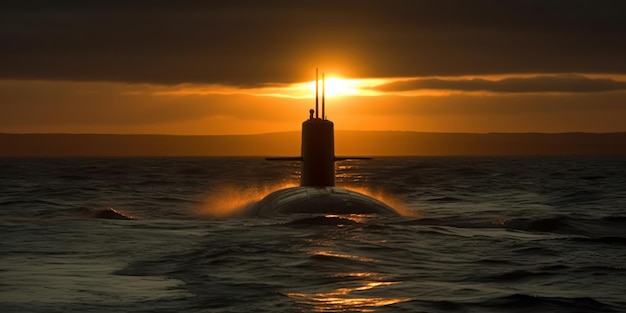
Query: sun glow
336	87
333	87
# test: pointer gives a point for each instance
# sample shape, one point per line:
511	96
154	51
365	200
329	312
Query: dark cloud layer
257	42
541	83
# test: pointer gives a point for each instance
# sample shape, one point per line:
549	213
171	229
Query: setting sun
335	87
338	87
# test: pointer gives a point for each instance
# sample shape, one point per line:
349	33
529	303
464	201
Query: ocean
478	234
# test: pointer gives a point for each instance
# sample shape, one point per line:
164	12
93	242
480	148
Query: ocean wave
535	303
609	240
514	276
323	221
557	224
493	235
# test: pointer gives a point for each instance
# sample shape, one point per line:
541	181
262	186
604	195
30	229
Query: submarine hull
321	200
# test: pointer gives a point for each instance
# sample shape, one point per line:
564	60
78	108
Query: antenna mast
316	93
323	96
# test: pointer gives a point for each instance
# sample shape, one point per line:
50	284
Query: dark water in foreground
486	235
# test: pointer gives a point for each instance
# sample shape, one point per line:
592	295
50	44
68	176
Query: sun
333	86
337	87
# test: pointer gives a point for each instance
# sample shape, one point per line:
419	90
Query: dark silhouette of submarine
317	193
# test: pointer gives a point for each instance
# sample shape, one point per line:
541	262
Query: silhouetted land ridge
353	143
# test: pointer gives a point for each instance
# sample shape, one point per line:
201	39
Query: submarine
317	193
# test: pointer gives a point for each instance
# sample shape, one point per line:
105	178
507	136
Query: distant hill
353	143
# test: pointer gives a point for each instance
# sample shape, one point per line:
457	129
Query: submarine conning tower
318	153
318	146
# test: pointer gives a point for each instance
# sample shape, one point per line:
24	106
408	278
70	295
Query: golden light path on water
339	300
358	291
347	299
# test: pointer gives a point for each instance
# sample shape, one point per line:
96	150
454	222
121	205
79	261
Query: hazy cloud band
532	84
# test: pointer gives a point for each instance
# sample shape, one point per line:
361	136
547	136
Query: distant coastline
354	143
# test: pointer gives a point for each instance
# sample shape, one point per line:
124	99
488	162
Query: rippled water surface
478	235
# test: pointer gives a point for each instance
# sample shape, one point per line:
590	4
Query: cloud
252	43
465	104
95	107
71	103
530	84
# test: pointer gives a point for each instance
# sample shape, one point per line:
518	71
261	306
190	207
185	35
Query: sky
246	67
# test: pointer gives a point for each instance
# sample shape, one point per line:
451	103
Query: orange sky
104	107
230	68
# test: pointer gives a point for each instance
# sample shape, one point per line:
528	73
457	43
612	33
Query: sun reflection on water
345	299
341	255
356	291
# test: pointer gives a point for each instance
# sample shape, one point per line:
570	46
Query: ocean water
479	234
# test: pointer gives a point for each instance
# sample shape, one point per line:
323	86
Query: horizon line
297	131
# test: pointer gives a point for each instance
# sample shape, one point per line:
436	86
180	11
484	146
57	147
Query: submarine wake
396	203
229	201
232	201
